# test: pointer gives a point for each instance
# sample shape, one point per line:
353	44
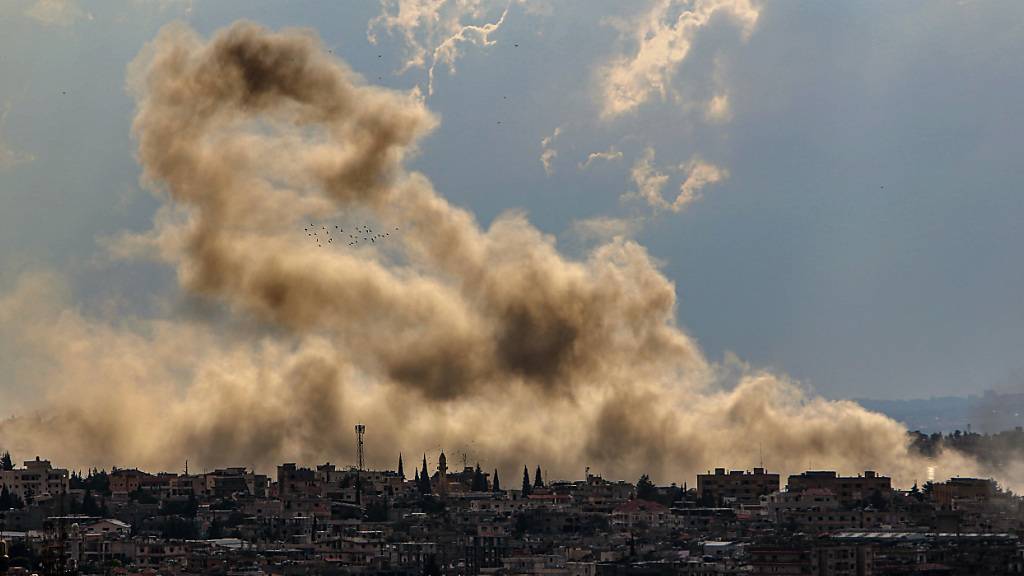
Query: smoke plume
447	335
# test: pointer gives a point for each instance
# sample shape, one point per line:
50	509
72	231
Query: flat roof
919	536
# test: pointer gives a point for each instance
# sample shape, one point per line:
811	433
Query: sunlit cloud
184	7
609	155
605	228
718	108
548	152
698	175
10	157
663	40
57	12
435	31
447	52
650	181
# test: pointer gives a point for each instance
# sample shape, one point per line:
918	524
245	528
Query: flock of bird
325	235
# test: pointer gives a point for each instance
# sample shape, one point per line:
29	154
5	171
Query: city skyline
511	288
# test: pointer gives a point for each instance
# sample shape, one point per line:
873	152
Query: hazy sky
833	186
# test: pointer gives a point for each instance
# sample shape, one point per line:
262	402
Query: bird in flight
362	234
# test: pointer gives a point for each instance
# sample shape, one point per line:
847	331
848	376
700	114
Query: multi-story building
736	486
640	513
939	553
781	507
973	489
595	493
849	490
361	549
126	481
186	486
38	479
487	547
412	554
811	558
294	482
237	480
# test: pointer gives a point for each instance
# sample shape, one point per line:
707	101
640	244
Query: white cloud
718	108
417	21
56	12
433	30
183	6
604	228
663	43
9	157
447	52
650	181
609	155
548	152
699	175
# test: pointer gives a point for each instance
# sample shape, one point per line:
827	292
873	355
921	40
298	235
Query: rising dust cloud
449	335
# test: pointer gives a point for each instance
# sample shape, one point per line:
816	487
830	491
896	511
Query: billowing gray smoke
447	335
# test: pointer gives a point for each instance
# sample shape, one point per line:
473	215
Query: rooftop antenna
360	430
760	450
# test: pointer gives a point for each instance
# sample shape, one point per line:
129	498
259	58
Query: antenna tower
360	431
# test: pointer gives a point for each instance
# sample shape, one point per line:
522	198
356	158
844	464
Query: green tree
538	481
5	461
425	478
89	505
9	500
496	485
143	497
527	487
100	482
178	528
916	493
377	510
479	480
645	489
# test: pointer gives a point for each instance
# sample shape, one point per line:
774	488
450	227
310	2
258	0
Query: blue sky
862	235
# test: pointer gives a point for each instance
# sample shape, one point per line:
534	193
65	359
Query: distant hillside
988	413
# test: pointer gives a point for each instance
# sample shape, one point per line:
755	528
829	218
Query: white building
109	527
38	479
